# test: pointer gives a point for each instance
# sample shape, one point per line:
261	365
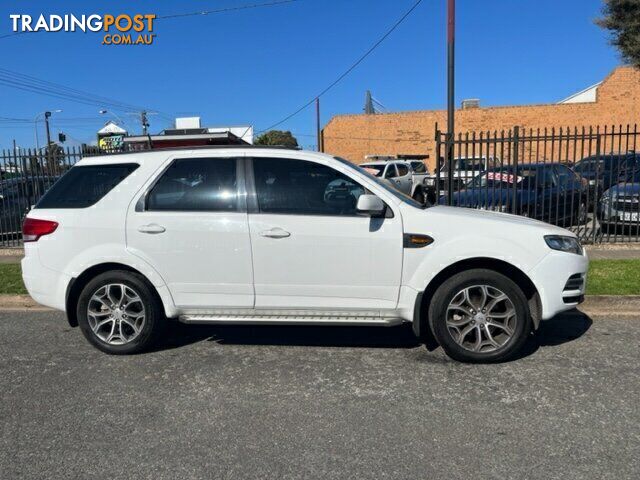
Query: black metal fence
584	179
25	176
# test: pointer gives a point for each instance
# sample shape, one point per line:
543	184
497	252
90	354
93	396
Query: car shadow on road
563	329
278	335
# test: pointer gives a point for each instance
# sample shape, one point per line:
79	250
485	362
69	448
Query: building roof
588	95
111	128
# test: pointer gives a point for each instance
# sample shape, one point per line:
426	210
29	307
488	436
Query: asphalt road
285	402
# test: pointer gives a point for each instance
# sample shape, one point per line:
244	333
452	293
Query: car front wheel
119	313
480	316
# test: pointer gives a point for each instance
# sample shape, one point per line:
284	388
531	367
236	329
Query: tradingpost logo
122	29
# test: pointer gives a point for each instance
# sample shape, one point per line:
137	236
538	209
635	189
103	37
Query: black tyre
480	316
419	197
120	313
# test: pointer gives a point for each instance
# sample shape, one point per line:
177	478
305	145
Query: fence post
516	141
437	163
596	186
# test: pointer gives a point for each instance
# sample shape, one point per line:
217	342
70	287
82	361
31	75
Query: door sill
239	319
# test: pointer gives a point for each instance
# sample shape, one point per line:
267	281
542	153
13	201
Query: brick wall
354	136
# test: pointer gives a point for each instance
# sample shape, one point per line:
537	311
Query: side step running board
239	319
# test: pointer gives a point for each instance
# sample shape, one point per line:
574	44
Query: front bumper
560	279
610	214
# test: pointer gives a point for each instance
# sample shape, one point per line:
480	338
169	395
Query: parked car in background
465	170
272	236
17	194
550	192
603	171
619	206
407	177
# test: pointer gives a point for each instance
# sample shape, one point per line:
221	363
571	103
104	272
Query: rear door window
403	170
84	186
196	184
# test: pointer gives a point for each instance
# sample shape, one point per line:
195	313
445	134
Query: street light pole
46	122
451	22
46	114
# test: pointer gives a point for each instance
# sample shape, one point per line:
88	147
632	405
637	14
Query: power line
227	9
43	87
349	70
36	85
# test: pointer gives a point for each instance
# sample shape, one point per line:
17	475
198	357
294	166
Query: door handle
276	232
151	228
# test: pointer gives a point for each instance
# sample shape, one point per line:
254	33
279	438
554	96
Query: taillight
33	229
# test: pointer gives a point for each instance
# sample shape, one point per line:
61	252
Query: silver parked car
619	206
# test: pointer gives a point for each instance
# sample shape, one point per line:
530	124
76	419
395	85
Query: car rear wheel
480	316
119	313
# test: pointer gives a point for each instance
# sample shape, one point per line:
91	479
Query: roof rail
193	147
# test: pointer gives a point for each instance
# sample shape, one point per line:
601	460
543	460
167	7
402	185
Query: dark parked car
603	171
16	197
551	192
619	206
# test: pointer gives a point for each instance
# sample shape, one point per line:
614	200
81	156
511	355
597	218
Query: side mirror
370	205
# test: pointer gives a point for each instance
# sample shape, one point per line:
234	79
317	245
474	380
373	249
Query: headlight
564	244
430	181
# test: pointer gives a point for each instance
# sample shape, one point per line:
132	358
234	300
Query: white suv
123	243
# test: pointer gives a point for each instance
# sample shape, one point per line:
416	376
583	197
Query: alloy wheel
481	318
116	314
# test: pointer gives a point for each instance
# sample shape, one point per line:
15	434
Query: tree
622	19
277	137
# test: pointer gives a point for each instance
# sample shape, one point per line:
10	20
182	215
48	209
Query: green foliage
622	19
277	137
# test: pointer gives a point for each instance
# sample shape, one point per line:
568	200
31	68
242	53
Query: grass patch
606	277
11	279
614	277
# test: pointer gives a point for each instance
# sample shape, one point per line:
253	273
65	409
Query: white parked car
122	243
406	176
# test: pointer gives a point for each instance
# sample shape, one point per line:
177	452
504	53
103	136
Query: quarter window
83	186
300	187
196	184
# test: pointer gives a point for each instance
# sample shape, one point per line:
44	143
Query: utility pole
144	122
451	23
318	130
369	109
